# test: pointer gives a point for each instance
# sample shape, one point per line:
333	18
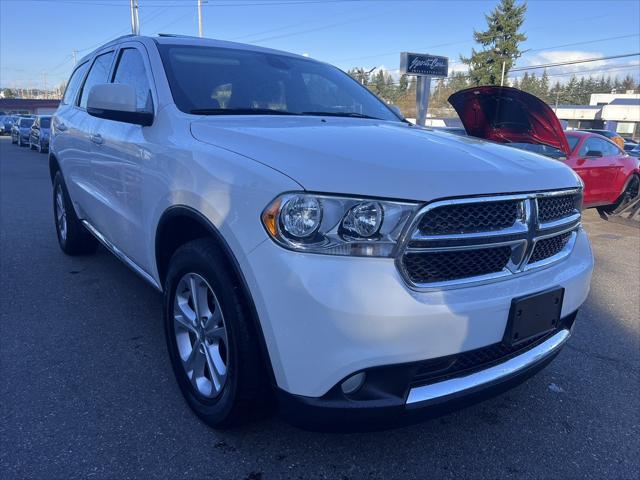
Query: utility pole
200	18
74	53
44	75
135	19
504	63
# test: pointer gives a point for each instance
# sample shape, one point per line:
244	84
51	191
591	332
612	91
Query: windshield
45	122
545	150
222	81
26	122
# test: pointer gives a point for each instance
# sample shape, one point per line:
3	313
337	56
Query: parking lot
87	388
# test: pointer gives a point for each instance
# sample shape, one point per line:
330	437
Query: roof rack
176	35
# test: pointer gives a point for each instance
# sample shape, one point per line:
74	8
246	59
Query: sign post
424	67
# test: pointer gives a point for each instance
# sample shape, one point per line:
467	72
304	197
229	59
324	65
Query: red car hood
506	115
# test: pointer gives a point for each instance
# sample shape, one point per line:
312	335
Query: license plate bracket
533	315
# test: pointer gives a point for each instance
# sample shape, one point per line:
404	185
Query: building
25	105
617	112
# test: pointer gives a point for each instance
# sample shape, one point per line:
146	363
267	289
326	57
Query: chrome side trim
484	378
121	256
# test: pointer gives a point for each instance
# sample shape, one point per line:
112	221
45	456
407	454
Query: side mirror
594	154
116	101
396	110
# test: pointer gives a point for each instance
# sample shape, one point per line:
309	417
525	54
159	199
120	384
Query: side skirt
121	256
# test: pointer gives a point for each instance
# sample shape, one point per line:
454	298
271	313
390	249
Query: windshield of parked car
26	122
45	122
223	81
545	150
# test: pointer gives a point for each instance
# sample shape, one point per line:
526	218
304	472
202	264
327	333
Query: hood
505	115
383	159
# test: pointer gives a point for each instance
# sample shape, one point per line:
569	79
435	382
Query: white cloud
458	67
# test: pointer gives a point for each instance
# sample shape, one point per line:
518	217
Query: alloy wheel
630	194
61	213
201	335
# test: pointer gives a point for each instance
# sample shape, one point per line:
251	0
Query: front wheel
212	344
73	238
630	195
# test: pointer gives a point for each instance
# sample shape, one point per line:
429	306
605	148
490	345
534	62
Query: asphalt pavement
86	388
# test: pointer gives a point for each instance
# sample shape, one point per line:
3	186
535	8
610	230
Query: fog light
353	383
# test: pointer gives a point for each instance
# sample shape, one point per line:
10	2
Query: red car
508	115
607	171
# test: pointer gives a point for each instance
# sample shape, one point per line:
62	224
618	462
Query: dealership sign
423	65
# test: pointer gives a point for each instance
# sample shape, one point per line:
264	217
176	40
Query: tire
73	238
629	195
241	389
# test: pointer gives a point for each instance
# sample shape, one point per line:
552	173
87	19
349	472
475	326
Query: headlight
336	225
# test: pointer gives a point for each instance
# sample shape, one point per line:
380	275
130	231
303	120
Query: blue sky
39	36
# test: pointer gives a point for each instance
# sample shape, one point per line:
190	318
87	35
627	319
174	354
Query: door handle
96	138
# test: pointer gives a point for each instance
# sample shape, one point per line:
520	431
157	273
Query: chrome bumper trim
485	378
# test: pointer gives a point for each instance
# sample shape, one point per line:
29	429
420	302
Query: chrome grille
558	206
476	240
549	247
468	218
442	266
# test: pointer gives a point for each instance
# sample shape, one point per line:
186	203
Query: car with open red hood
507	115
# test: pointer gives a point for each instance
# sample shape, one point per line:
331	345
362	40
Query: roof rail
179	35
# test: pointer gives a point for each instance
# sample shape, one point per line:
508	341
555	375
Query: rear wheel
630	195
73	238
213	348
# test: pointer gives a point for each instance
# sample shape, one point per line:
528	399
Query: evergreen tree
500	44
404	84
628	83
571	91
543	87
359	74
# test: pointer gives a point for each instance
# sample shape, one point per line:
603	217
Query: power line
572	62
470	41
586	42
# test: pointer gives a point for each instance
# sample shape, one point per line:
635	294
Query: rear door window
74	84
99	73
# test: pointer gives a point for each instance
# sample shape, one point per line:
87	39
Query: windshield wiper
342	114
239	111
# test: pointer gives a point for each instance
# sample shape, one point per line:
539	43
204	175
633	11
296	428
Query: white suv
309	242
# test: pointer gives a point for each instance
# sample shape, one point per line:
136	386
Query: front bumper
326	317
389	398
